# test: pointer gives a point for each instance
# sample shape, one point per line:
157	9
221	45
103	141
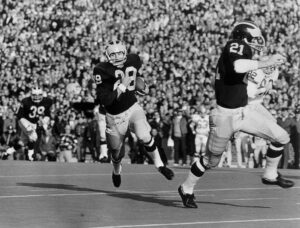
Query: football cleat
280	181
116	178
188	200
168	173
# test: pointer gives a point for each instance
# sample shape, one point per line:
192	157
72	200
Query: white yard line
101	174
249	199
199	223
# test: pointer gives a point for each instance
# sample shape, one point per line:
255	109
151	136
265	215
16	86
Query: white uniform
201	129
260	82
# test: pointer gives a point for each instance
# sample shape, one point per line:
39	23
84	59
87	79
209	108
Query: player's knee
116	156
214	160
144	137
284	138
213	157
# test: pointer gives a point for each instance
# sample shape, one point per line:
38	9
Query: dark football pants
253	119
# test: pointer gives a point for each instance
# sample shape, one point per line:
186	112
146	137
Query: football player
116	87
34	112
233	113
201	130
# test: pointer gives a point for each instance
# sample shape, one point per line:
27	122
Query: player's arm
106	96
245	65
24	124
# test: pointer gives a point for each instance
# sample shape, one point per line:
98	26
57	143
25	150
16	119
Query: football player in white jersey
201	131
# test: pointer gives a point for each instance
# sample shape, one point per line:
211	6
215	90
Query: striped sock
273	157
197	170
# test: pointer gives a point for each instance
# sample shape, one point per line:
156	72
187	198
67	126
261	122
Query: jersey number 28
130	72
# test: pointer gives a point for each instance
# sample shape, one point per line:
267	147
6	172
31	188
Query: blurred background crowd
56	43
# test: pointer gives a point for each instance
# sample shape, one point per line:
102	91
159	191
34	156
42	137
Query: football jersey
202	125
33	111
231	87
260	82
108	77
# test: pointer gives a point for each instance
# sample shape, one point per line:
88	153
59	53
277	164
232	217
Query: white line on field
199	223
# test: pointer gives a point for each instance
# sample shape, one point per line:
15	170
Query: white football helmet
116	53
37	94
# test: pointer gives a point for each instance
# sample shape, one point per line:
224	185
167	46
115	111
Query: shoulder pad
239	48
100	72
134	60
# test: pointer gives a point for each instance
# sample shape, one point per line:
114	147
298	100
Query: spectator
57	43
286	123
179	132
47	147
297	137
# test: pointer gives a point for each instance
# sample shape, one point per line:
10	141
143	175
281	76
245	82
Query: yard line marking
177	196
254	198
212	190
96	174
57	194
199	223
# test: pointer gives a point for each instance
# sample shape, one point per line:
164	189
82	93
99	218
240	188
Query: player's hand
126	81
277	59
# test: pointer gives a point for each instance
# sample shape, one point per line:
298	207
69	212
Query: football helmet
116	53
36	94
250	33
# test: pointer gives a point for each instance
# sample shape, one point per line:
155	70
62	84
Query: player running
116	87
34	112
233	112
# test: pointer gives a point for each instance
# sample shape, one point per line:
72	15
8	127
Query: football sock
153	151
117	168
273	157
197	170
103	150
30	155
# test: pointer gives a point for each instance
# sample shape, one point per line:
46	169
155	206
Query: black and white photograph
149	113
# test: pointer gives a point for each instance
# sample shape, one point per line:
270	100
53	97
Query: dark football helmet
250	33
116	53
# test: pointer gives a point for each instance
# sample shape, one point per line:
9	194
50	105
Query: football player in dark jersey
233	113
33	112
116	87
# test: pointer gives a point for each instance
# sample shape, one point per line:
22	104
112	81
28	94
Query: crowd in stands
56	43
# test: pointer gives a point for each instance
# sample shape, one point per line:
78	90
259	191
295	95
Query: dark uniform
108	77
231	87
123	113
233	113
32	111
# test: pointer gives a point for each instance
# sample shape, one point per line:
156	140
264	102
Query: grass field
44	195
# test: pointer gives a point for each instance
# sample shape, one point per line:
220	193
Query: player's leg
220	132
103	144
197	147
115	135
258	121
238	149
138	124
